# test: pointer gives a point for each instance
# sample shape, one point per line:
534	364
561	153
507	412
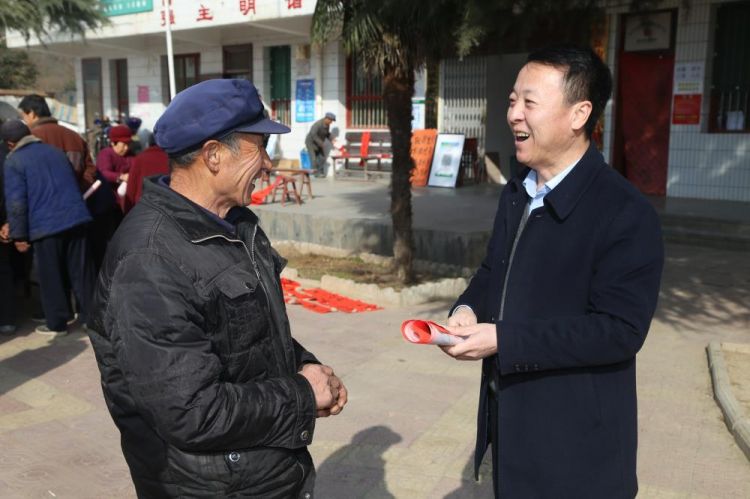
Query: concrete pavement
409	426
453	225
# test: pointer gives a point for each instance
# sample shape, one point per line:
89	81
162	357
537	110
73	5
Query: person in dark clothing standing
315	143
7	290
564	299
112	169
211	394
46	210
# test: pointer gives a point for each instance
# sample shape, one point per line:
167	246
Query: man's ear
580	114
211	155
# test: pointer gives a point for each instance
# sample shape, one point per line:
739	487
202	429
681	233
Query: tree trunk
397	93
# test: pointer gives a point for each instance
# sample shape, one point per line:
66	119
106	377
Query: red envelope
428	333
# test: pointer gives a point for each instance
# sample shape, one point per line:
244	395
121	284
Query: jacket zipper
251	256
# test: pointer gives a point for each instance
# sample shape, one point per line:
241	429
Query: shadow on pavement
470	488
358	469
704	288
34	362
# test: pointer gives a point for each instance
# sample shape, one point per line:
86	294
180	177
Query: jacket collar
190	217
46	120
29	139
563	198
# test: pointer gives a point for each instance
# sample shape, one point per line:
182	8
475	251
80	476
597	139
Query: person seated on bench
315	141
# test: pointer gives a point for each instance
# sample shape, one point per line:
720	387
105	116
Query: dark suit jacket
581	293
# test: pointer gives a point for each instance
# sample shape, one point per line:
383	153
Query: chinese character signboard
652	31
166	5
247	6
688	77
122	7
204	14
688	93
304	97
686	109
422	147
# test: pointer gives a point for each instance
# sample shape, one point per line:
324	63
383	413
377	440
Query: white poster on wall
446	160
688	77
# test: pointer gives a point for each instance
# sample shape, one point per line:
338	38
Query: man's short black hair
36	103
586	76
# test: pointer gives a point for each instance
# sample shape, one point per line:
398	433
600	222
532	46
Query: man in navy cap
319	132
212	395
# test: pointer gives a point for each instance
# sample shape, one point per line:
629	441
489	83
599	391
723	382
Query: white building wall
701	164
145	71
326	67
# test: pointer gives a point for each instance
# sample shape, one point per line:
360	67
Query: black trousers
493	424
62	258
7	290
317	159
100	231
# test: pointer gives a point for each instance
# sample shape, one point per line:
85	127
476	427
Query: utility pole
170	54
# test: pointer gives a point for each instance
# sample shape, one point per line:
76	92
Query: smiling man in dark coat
212	395
564	298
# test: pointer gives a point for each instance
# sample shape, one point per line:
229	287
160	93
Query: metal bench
364	152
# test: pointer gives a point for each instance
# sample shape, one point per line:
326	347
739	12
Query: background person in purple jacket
564	298
46	212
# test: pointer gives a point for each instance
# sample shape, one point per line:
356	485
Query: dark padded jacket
41	195
199	369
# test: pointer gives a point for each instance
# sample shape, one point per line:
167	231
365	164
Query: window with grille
730	83
186	73
364	98
281	84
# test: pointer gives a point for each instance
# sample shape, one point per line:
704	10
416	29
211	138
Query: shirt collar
529	183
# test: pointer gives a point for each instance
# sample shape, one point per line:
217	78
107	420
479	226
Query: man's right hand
5	233
326	391
462	316
22	246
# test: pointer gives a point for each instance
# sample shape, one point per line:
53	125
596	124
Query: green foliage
16	69
399	34
406	34
38	17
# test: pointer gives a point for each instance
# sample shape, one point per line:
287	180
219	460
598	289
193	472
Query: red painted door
643	103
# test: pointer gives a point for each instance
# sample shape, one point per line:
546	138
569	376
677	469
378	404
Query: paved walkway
469	208
408	429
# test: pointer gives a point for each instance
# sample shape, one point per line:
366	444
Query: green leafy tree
16	69
394	38
38	17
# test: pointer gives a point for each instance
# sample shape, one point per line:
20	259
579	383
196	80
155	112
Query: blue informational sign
122	7
304	98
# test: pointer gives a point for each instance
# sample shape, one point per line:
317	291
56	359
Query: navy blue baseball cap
212	109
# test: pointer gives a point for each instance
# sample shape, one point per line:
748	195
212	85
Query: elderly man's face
539	117
246	167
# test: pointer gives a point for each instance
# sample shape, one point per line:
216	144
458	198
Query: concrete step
706	232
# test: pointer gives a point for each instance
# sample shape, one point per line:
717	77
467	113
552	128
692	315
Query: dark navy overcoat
581	292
